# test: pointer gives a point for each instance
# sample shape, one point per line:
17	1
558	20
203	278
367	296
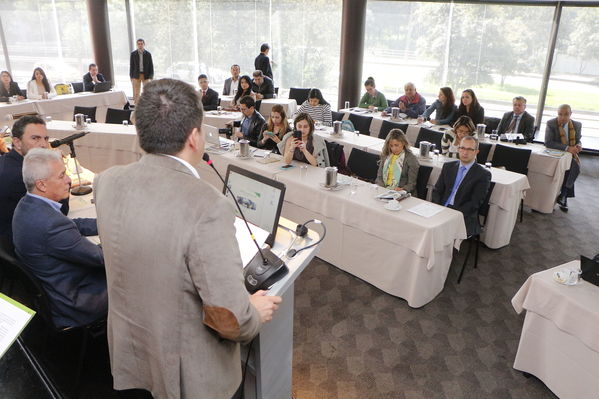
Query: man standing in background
141	68
262	62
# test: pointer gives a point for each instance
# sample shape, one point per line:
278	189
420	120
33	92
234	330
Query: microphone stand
81	189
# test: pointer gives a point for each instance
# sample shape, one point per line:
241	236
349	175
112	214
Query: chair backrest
387	126
117	116
491	123
24	92
299	94
337	157
432	136
363	164
483	210
277	91
513	159
389	102
89	112
77	87
361	122
424	173
483	152
337	116
258	105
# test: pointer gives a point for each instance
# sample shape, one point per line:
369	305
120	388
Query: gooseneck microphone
265	262
67	140
80	189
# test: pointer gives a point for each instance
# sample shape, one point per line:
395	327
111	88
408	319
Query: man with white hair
53	247
411	103
562	133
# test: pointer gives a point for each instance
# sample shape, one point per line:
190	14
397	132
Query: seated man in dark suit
53	247
262	86
518	121
28	132
92	78
251	122
562	133
463	185
209	96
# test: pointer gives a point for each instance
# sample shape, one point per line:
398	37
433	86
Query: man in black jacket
262	62
209	96
28	132
464	185
141	68
92	78
252	122
262	86
518	121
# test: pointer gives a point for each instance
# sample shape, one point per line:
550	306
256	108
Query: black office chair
299	94
483	152
514	160
432	136
258	105
77	87
389	102
89	112
24	92
363	165
36	298
483	211
492	124
387	126
337	157
117	116
424	173
337	116
361	123
277	91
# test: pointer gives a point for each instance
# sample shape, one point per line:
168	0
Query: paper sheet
426	209
13	319
247	248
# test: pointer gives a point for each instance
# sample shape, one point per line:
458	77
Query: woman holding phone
273	131
303	145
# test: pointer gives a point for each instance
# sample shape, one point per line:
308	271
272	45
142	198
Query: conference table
289	104
559	342
401	253
61	107
545	168
271	359
504	202
220	119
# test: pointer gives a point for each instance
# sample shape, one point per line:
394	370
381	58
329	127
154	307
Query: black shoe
563	203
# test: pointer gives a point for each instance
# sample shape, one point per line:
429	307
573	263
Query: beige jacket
177	303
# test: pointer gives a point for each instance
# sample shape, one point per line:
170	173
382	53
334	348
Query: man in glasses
463	184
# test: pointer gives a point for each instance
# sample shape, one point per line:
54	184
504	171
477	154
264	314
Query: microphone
67	140
260	272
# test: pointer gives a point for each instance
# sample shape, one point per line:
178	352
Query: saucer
393	206
336	187
242	157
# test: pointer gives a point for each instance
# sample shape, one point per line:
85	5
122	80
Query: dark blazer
134	65
227	87
210	100
476	116
256	123
470	194
262	63
267	89
12	189
13	90
88	83
526	125
552	139
70	267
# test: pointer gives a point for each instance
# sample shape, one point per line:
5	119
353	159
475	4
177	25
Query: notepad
14	316
426	209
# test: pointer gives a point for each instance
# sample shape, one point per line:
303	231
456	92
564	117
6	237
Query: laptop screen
259	198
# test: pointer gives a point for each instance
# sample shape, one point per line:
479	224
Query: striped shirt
321	112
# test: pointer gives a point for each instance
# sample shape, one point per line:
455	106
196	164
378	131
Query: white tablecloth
289	104
560	339
21	107
220	120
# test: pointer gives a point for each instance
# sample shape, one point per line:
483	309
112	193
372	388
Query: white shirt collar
186	164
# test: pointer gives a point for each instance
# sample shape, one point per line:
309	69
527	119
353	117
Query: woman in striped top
317	108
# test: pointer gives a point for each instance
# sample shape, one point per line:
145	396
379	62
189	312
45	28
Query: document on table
13	319
247	248
426	209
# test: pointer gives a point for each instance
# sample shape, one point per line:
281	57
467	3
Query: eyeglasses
466	149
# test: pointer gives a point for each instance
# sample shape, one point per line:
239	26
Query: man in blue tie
463	184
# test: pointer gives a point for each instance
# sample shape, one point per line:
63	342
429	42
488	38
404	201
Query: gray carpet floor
351	340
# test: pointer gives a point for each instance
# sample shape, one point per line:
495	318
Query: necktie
512	127
458	180
203	93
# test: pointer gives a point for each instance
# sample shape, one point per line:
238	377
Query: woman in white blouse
317	108
39	85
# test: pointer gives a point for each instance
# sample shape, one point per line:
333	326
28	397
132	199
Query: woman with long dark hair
317	108
9	87
306	147
469	106
39	85
445	107
244	89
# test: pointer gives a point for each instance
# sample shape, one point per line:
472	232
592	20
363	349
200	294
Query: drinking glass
303	172
353	186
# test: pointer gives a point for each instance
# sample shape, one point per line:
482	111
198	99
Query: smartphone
297	134
286	166
236	123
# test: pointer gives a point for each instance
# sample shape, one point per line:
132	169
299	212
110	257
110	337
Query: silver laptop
213	142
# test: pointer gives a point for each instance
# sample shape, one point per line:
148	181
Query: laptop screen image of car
259	198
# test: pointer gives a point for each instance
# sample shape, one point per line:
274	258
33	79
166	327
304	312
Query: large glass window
497	50
53	35
575	72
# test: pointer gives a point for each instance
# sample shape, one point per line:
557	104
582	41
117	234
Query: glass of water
353	186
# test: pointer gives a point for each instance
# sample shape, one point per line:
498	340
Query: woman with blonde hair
398	168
